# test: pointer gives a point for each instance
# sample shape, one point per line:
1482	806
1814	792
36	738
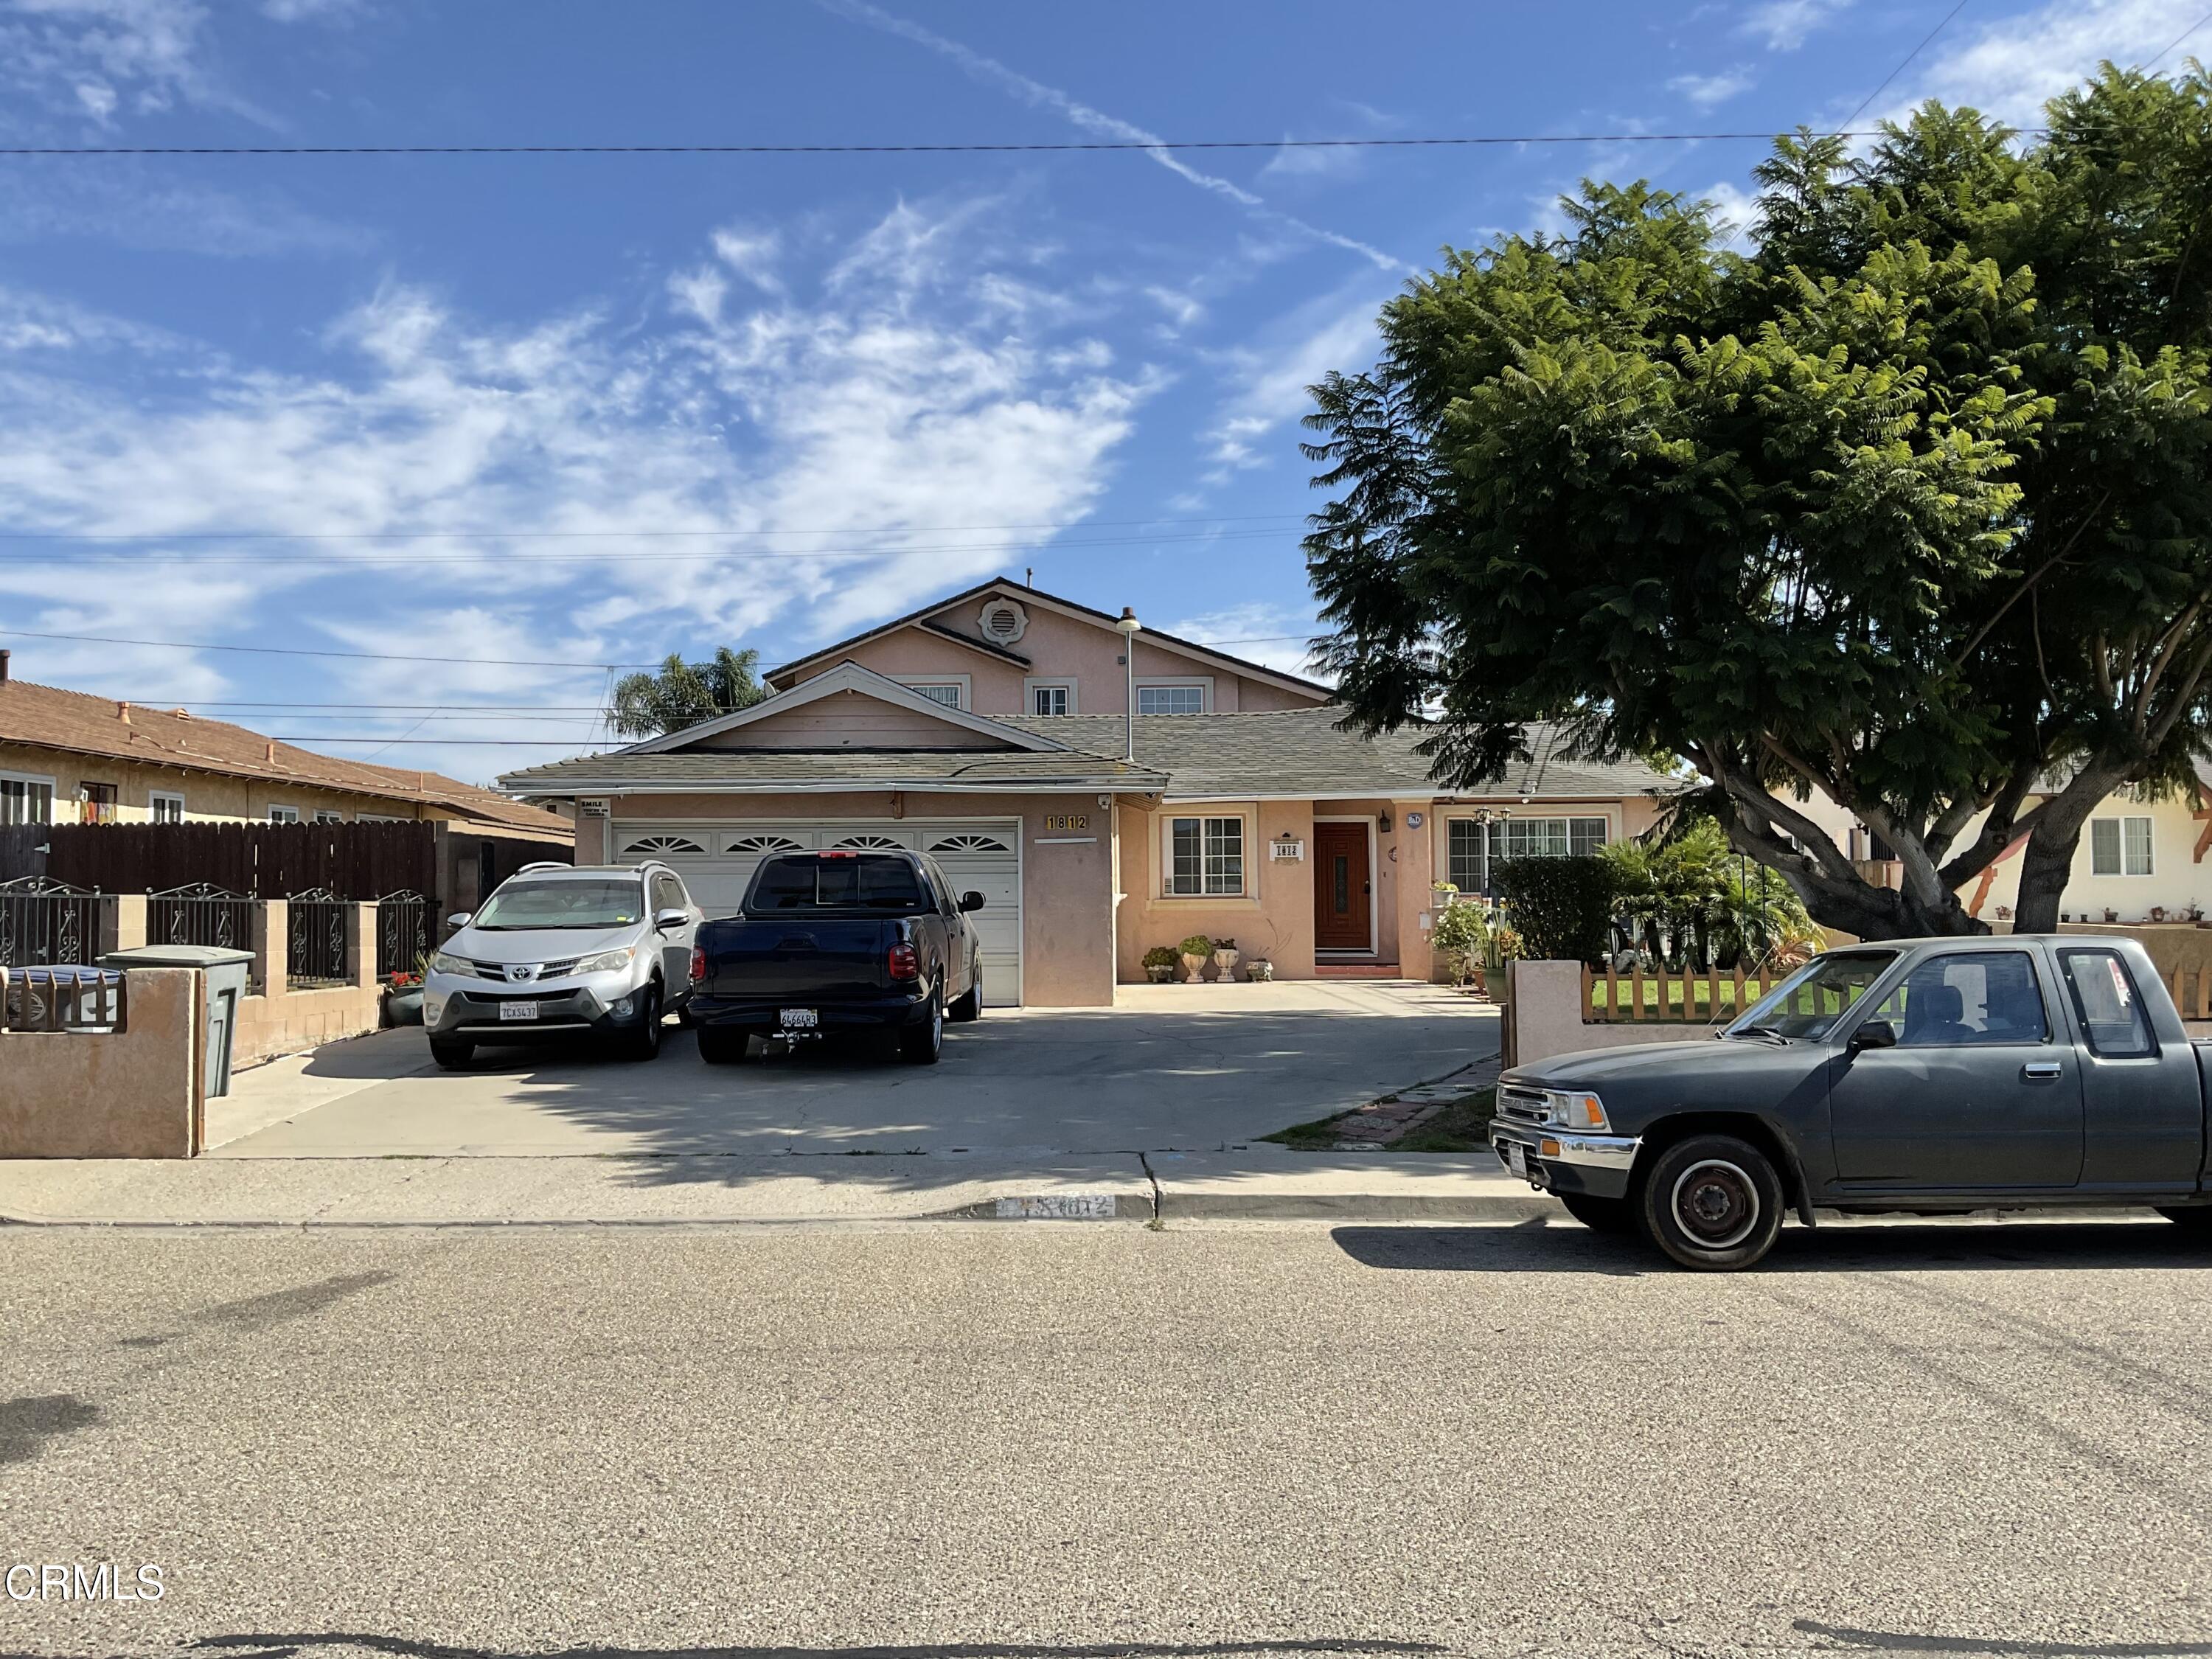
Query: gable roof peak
846	676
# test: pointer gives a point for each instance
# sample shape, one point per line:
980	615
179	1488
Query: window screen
2105	1000
2120	847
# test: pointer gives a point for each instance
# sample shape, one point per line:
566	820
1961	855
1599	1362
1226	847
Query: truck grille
1522	1105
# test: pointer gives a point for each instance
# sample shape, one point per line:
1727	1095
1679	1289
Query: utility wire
299	651
1147	145
494	534
1900	69
2177	40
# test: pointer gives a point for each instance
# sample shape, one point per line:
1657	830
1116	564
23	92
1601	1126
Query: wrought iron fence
202	914
402	932
315	940
46	921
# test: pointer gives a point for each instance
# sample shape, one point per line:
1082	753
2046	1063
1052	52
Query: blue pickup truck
1922	1077
839	945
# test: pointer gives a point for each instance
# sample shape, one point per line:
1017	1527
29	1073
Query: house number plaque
1067	821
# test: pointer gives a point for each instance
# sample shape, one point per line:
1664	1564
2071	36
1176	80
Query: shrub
1159	955
1462	937
1561	908
1196	945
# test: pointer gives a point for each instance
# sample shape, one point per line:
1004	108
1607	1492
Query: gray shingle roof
1293	752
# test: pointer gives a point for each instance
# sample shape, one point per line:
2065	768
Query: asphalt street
966	1440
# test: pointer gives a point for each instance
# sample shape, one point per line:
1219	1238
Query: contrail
1037	96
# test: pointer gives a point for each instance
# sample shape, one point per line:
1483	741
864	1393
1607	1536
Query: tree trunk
2047	860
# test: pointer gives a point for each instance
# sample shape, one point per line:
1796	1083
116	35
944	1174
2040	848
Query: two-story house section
992	730
1004	649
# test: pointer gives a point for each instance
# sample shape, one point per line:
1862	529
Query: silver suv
562	951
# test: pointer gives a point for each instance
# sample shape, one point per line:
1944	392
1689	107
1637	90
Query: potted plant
1159	964
1196	951
1260	970
402	998
1226	955
1462	938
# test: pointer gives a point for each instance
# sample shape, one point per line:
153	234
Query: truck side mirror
1874	1034
971	900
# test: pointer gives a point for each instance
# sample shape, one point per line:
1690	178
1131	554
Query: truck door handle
2040	1070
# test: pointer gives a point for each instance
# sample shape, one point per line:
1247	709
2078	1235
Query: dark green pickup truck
1921	1077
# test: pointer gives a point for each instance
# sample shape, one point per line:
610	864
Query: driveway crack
1156	1222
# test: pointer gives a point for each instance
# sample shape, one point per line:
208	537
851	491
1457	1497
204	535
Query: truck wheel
969	1007
2195	1219
724	1045
1711	1202
1600	1215
920	1045
644	1044
452	1054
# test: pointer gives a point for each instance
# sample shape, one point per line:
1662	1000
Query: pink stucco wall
1058	648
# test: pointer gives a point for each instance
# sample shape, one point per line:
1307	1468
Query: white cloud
1785	25
752	255
1735	208
844	409
1273	635
1709	91
1084	117
2009	68
1269	382
1317	164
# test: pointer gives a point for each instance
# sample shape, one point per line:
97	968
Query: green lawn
1669	994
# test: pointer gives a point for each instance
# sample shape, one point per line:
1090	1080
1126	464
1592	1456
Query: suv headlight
1576	1109
608	961
442	963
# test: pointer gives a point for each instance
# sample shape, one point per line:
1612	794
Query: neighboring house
2140	861
991	731
68	757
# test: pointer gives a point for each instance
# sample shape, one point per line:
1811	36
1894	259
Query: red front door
1343	912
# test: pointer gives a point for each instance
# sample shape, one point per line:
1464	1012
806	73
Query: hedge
1561	908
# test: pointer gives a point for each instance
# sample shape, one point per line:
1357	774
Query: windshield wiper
1766	1031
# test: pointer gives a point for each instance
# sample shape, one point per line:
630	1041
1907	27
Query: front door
1343	900
1982	1092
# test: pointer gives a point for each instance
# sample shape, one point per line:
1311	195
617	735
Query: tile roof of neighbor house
47	717
1294	752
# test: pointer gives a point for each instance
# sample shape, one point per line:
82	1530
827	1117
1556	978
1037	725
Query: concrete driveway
1171	1067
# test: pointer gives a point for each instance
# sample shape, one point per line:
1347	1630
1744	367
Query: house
993	730
70	757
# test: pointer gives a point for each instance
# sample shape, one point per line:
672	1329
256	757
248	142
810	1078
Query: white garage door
717	862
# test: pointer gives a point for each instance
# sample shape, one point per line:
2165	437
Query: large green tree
1909	509
682	694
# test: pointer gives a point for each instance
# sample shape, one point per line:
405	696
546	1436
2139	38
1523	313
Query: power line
1149	145
299	651
1901	68
2177	40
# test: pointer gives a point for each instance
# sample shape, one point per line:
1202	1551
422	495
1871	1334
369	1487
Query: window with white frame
2120	847
165	806
26	800
1206	858
1170	699
1051	697
1475	846
329	814
947	693
283	815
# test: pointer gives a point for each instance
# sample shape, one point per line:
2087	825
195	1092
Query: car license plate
800	1019
1517	1158
518	1011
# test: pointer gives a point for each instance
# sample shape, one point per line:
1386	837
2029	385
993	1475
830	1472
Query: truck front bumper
1563	1161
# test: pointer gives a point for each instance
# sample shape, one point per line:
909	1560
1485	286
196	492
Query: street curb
1355	1206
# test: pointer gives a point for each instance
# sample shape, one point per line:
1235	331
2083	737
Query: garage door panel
717	862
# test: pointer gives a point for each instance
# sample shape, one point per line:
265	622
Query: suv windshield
1811	1000
571	902
831	882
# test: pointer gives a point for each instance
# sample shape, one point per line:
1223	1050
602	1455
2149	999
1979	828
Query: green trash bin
225	969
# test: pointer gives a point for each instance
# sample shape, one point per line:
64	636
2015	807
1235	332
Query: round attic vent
1004	622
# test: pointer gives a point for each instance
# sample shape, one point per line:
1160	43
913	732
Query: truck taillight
902	962
698	964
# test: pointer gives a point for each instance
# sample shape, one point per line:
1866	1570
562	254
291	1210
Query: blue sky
484	408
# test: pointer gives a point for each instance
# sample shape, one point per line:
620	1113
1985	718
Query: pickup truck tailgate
794	960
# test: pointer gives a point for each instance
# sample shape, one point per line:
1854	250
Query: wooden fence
1685	997
357	861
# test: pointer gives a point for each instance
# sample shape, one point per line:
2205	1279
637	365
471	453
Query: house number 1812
1067	821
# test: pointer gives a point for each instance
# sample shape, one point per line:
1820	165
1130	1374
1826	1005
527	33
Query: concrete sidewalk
1262	1182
